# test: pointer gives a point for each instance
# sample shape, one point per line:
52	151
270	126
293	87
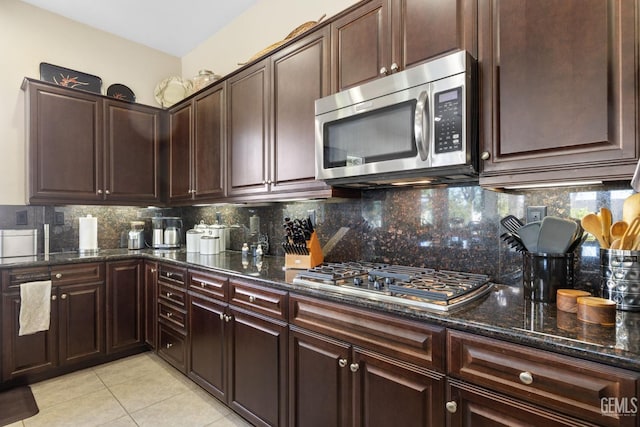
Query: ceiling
170	26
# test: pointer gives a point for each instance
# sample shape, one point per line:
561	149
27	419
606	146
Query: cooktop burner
415	286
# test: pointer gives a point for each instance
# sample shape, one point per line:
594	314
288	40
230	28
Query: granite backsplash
456	228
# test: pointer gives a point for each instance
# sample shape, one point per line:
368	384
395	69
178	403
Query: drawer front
172	275
565	384
415	342
11	279
270	302
172	347
171	294
77	273
208	284
173	316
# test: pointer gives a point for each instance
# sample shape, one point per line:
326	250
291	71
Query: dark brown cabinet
197	147
88	148
404	370
150	299
76	331
172	316
385	36
125	305
558	89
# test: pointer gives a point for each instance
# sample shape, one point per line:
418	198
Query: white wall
28	36
267	22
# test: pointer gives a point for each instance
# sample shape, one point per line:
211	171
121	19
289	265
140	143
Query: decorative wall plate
171	90
70	78
120	91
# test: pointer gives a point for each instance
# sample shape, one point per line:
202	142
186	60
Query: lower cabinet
77	326
150	298
172	316
125	305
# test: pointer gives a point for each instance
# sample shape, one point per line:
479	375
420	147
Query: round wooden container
597	310
567	299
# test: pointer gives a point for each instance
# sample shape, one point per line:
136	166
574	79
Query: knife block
314	259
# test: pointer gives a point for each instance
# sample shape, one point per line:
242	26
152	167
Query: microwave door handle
421	125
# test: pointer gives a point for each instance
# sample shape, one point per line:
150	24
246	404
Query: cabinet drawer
172	275
12	279
270	302
415	342
172	347
208	285
175	317
77	273
569	385
171	294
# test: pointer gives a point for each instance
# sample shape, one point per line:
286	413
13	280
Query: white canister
193	240
209	245
220	232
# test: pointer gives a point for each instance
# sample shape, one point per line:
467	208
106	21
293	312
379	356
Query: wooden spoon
605	218
626	242
618	229
592	224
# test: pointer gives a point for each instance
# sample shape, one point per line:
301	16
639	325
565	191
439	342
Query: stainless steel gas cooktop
426	288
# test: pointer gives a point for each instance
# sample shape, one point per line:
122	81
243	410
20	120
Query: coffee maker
136	235
167	232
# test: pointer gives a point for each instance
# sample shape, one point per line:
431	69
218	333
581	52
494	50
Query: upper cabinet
558	90
197	147
85	148
385	36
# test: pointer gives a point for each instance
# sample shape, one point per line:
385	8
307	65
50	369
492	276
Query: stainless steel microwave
412	127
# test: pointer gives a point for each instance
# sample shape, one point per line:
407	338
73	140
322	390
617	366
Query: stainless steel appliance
167	232
136	236
417	287
414	126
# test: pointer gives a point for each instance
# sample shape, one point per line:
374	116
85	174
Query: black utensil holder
543	274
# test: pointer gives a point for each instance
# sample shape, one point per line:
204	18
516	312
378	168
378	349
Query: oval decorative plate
171	90
120	91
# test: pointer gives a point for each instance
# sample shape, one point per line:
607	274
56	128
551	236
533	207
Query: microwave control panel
448	112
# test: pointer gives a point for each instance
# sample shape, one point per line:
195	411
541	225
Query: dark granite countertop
502	314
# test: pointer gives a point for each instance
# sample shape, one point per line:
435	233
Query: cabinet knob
252	298
53	297
169	345
169	314
202	285
354	367
384	71
485	155
59	276
221	316
342	362
99	191
153	270
526	377
394	67
452	407
107	192
169	294
227	318
63	296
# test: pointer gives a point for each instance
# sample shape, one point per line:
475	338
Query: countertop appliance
417	287
136	235
412	127
18	243
167	232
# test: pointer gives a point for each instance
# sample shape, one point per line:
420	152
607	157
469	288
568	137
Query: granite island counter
502	314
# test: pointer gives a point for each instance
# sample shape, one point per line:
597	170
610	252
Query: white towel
35	307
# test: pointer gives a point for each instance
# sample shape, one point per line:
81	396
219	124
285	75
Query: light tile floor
141	390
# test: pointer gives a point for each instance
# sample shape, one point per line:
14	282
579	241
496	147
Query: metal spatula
511	223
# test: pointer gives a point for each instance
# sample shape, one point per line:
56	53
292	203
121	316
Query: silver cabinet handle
221	316
421	126
485	155
227	318
394	67
107	192
53	297
169	314
169	294
63	296
153	270
342	362
452	407
384	71
59	276
354	367
99	191
169	345
526	377
252	298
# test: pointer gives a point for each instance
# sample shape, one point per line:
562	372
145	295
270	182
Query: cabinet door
416	395
320	390
300	76
26	354
248	128
209	144
208	361
180	153
361	45
81	322
257	368
125	305
64	144
132	143
558	90
150	295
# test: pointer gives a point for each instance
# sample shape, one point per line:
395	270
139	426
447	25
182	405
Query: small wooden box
314	258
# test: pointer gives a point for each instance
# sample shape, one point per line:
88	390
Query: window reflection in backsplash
454	228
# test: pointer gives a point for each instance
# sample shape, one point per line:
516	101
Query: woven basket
296	32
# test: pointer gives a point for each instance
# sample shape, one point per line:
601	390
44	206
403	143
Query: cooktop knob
378	285
357	281
388	281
